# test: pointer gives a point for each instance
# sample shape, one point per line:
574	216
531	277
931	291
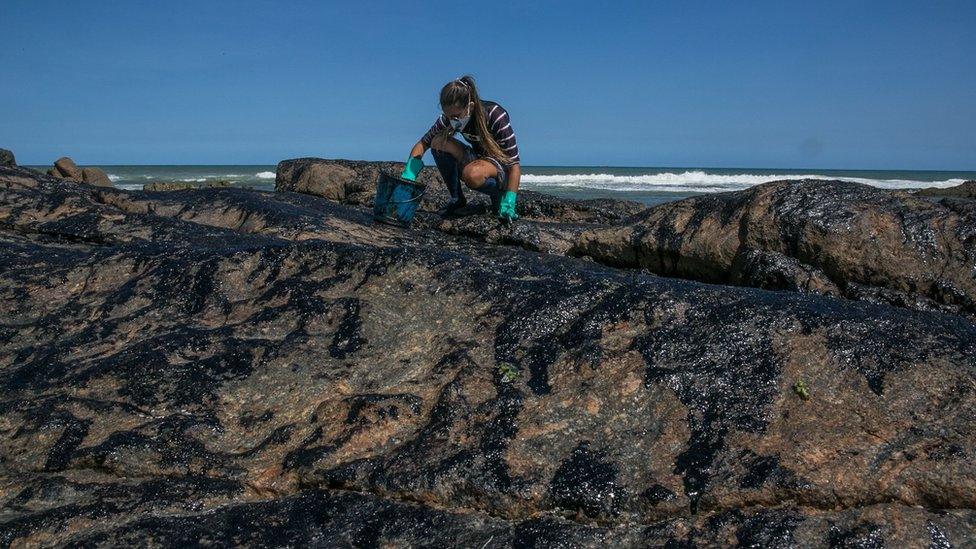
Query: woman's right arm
415	161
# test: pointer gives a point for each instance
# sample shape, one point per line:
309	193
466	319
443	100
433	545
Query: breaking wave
699	181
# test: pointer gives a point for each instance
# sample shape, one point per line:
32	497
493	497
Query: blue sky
888	85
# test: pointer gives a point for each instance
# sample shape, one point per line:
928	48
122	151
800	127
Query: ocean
649	185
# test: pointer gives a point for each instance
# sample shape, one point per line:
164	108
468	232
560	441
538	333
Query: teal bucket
396	200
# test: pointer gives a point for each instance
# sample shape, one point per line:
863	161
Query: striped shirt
496	117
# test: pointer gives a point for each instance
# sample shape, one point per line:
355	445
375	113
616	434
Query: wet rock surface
966	189
828	237
226	366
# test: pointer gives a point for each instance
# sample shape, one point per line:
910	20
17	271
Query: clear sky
886	84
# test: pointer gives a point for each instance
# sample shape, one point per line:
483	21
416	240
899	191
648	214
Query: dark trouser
450	173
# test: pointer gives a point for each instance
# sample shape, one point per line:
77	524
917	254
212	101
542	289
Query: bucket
396	200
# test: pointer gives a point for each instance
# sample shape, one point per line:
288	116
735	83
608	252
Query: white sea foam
113	178
265	175
699	181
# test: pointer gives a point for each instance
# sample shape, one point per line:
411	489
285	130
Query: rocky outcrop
183	185
830	237
65	168
235	367
966	189
348	181
95	176
7	158
788	235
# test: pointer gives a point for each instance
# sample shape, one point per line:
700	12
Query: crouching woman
489	165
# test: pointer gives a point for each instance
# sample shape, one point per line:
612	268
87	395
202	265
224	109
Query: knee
471	177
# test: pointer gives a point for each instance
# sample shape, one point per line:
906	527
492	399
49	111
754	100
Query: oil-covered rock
828	237
233	367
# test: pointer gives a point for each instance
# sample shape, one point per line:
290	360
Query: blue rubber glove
412	169
506	209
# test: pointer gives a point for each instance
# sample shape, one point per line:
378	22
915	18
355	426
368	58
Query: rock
231	367
67	168
340	180
7	158
328	181
828	237
158	186
95	176
777	271
963	190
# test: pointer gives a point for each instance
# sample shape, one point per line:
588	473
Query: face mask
459	123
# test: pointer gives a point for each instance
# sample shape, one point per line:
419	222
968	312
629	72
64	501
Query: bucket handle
418	197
